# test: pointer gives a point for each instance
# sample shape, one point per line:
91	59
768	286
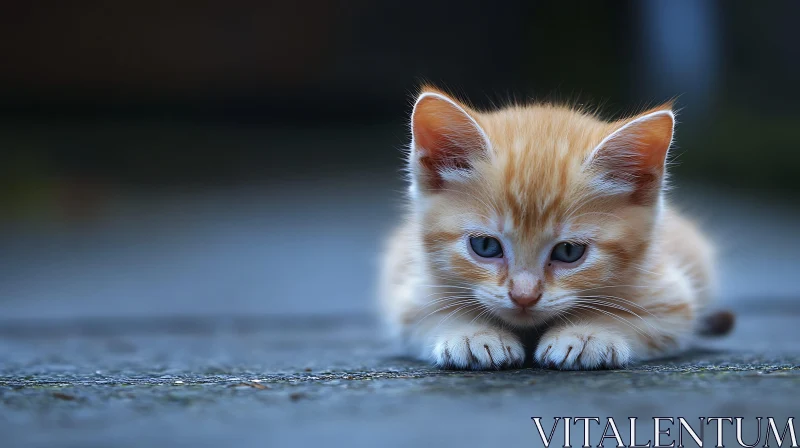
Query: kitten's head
530	208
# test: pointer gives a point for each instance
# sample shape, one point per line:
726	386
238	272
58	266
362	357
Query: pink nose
525	300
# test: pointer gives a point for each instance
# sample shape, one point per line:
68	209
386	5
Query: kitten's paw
583	347
478	349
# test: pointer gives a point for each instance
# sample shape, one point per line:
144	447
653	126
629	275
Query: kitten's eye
568	252
486	246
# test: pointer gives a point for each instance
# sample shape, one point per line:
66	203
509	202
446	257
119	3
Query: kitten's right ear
446	141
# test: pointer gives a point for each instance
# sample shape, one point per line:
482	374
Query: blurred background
242	157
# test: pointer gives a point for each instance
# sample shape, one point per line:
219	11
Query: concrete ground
242	317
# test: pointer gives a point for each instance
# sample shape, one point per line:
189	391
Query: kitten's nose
525	290
525	300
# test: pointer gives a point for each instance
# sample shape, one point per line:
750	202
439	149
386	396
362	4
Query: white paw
577	347
478	349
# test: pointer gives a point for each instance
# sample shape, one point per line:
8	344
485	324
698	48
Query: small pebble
296	396
63	396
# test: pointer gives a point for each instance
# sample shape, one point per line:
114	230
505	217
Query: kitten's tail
718	323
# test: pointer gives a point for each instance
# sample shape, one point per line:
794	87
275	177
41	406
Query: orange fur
534	176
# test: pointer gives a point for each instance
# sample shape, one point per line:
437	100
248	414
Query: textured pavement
277	382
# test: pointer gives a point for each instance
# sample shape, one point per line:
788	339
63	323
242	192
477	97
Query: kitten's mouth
524	317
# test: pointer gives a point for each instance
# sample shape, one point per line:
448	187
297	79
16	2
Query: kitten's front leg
462	344
610	341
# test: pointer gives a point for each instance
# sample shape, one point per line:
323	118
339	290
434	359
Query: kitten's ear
632	158
446	141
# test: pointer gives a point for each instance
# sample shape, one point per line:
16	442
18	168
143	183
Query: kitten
548	219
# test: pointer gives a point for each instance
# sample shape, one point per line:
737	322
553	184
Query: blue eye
486	246
568	252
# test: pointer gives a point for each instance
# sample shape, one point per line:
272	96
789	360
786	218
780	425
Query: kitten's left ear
632	158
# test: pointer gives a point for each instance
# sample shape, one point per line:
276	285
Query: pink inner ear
653	137
445	136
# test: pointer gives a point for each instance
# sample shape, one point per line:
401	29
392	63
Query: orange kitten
548	219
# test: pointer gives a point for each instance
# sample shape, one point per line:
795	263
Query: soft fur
534	176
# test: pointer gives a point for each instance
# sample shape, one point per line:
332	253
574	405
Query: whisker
612	315
629	302
461	310
621	308
458	303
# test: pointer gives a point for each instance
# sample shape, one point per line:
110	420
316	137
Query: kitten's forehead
544	133
536	167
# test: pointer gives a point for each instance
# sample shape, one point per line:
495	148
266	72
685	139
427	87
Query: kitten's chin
522	318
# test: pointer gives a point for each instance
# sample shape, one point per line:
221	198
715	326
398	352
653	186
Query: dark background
79	79
243	156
